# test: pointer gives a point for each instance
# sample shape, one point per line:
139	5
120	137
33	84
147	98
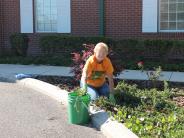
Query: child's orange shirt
96	72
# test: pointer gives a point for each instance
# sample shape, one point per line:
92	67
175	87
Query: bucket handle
77	104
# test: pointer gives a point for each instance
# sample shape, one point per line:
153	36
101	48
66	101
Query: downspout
101	18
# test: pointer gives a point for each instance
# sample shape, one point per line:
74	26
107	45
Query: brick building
118	19
1	28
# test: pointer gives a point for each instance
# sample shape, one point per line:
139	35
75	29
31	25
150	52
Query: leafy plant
80	92
155	115
152	75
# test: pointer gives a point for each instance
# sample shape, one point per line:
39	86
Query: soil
179	100
69	84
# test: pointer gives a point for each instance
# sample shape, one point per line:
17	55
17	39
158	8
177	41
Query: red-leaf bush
79	60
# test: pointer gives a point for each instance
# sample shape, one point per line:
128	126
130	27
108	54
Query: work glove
85	87
111	98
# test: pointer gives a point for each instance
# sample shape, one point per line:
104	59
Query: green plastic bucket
78	108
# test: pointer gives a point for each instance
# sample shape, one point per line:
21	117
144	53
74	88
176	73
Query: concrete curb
100	118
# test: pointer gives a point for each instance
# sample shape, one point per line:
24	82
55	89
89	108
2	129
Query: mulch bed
69	84
179	100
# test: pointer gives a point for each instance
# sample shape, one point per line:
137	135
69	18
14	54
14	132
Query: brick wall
120	18
1	27
85	17
123	19
11	20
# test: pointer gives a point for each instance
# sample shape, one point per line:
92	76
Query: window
171	15
45	16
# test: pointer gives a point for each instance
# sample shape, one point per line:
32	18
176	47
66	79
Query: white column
64	16
26	16
149	16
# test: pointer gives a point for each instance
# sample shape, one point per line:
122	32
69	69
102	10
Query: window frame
35	20
159	20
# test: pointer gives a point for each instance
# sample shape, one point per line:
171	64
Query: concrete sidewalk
10	70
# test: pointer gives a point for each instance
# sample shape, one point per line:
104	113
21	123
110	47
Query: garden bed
69	84
151	112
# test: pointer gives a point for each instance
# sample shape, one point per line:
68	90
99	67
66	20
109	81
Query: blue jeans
95	92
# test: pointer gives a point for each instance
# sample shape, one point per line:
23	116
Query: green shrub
163	50
152	112
134	49
68	44
19	44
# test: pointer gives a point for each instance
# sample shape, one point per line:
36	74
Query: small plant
152	75
19	43
140	65
80	92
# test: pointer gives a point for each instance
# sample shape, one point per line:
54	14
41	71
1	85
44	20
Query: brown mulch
179	100
67	83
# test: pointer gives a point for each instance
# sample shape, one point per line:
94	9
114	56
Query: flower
140	64
141	119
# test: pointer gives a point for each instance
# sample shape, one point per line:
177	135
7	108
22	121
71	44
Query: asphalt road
25	113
